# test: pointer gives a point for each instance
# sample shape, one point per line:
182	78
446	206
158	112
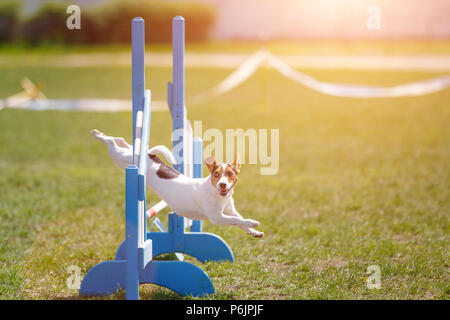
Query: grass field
361	182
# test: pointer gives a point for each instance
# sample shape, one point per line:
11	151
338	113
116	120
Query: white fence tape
359	91
91	105
244	71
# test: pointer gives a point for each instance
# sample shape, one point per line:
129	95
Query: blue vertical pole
198	173
131	201
137	73
177	87
131	233
177	90
137	67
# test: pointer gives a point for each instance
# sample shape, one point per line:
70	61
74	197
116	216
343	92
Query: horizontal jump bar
156	208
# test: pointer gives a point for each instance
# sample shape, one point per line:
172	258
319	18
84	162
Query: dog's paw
255	233
251	223
96	133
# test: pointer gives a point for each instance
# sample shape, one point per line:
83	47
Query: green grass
361	182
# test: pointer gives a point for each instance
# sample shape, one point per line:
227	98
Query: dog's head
224	176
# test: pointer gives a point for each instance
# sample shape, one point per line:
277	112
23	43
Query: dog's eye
230	174
216	174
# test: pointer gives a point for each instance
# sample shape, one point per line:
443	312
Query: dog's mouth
223	191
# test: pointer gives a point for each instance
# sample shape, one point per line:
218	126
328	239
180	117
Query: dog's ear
210	163
237	163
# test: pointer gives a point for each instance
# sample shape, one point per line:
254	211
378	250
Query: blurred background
319	34
37	21
363	180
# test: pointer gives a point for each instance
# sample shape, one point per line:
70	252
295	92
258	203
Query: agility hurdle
136	265
188	153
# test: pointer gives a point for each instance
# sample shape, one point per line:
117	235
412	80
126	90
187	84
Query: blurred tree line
104	23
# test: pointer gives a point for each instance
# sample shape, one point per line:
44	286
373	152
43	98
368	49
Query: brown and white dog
207	198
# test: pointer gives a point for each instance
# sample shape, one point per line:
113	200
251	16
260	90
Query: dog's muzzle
223	190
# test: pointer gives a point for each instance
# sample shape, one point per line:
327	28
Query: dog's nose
222	185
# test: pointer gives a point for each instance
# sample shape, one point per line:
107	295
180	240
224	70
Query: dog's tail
164	151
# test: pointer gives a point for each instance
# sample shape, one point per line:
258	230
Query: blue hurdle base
183	278
201	245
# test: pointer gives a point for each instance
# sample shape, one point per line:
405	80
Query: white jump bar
156	208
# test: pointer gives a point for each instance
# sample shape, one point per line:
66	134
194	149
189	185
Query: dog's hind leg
121	143
118	149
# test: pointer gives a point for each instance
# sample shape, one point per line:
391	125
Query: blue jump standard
134	264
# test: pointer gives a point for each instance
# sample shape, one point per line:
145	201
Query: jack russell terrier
196	199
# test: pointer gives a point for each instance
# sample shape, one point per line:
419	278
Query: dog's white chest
182	194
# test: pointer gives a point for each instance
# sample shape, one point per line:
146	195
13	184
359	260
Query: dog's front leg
222	219
230	210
